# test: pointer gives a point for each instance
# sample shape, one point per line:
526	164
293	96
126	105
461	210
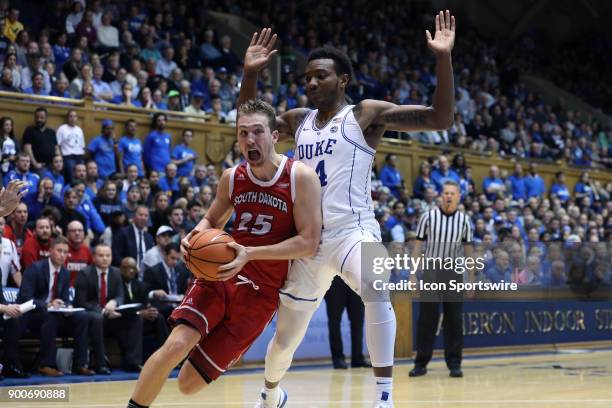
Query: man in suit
133	240
136	292
47	282
99	289
169	277
9	355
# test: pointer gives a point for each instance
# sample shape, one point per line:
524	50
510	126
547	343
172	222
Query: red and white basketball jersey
264	216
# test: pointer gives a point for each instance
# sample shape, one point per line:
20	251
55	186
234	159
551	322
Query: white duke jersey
343	161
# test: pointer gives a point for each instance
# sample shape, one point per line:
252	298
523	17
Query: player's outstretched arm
257	56
217	215
308	222
408	118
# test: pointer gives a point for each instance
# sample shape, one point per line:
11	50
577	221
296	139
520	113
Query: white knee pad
380	332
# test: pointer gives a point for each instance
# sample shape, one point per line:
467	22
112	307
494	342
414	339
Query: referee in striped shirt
445	231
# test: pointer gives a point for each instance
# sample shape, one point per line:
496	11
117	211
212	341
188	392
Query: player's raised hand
444	36
260	51
11	196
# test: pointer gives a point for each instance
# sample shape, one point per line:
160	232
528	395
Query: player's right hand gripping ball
208	251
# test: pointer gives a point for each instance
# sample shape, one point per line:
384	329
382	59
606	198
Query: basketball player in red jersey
278	218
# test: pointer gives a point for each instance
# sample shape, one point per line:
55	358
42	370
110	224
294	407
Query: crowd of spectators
554	237
135	199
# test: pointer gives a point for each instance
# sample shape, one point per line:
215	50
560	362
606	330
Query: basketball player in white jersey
339	141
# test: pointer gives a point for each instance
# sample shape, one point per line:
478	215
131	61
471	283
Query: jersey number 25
261	226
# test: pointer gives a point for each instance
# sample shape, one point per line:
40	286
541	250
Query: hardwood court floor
564	380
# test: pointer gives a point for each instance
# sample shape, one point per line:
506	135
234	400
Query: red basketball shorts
229	315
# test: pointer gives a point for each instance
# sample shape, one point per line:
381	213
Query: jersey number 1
321	173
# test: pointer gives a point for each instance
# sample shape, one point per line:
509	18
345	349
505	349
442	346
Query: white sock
384	388
270	396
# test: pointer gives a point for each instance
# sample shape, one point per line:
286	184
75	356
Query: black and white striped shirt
444	233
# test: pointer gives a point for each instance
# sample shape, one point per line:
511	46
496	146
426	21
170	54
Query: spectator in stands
16	229
559	188
86	29
44	197
77	85
72	68
22	172
60	87
156	149
37	87
12	25
99	289
195	212
10	355
73	19
107	202
174	101
71	141
10	265
28	75
55	173
195	107
170	182
6	82
103	149
131	147
47	283
92	180
442	173
493	185
177	220
39	141
423	181
7	144
390	175
155	255
501	269
534	183
134	240
183	156
515	183
135	291
10	64
169	277
165	65
36	247
582	153
79	254
208	52
108	35
234	157
102	88
93	220
159	215
583	188
133	199
531	275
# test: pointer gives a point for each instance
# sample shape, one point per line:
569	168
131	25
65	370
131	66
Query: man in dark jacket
134	240
99	289
47	282
169	277
136	291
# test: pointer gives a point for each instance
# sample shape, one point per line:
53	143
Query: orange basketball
208	251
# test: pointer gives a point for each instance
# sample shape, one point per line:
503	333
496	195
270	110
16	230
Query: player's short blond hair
259	106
